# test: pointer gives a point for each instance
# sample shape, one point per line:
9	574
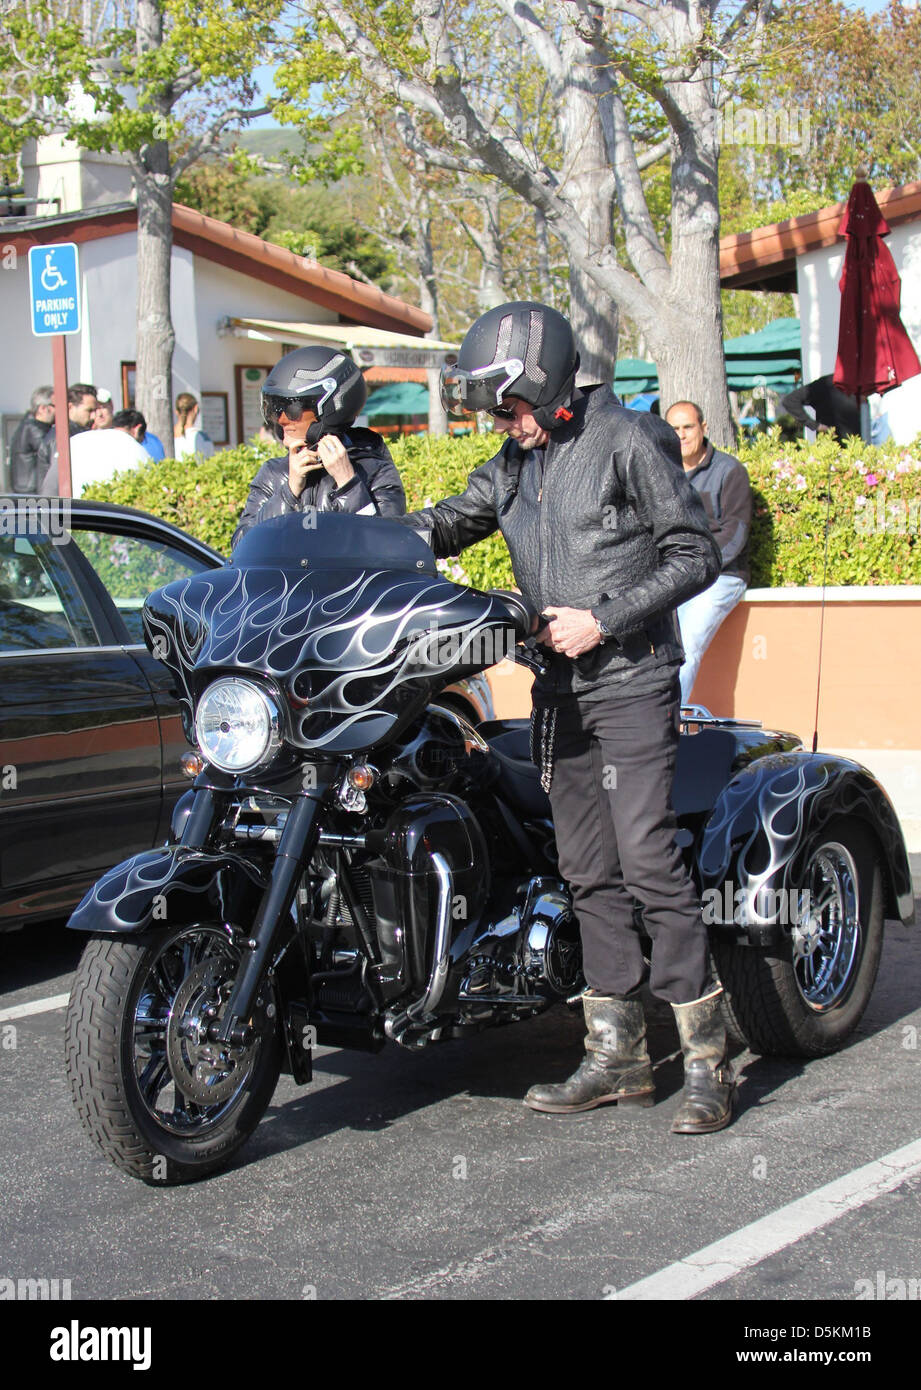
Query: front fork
294	850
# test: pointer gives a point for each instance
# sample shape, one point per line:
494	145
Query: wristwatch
605	632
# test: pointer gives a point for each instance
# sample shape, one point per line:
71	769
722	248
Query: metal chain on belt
542	746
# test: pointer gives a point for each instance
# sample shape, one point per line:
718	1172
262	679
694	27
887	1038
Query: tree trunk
691	362
589	187
428	295
492	290
544	280
155	335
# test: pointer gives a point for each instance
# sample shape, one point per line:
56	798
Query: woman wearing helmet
309	402
606	537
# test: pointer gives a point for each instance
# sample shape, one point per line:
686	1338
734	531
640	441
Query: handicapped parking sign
54	287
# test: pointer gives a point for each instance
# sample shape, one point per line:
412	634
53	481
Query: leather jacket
374	490
24	448
47	460
604	519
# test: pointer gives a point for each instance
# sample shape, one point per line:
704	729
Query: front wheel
163	1102
806	995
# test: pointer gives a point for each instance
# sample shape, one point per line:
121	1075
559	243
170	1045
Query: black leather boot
616	1065
709	1085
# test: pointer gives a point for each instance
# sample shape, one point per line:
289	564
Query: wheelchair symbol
51	277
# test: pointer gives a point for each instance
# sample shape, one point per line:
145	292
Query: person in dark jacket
606	537
722	482
833	410
27	438
81	410
309	402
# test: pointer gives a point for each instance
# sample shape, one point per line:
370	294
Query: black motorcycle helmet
323	380
522	349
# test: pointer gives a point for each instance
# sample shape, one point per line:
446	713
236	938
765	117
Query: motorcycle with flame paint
355	863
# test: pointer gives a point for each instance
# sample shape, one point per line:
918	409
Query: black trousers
613	768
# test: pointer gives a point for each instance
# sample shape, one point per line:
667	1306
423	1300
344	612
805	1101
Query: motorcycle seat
705	763
517	776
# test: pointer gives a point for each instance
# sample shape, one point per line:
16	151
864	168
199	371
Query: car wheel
163	1102
805	995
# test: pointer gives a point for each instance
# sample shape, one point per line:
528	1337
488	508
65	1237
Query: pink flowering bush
875	517
874	520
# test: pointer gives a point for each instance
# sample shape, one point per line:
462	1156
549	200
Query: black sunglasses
503	412
293	406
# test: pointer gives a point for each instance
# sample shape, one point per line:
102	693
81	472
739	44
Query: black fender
764	819
168	886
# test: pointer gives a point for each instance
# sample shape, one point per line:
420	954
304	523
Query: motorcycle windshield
332	540
348	618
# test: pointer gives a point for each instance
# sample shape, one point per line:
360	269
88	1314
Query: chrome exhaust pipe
422	1010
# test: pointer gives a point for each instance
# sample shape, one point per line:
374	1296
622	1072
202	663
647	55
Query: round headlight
237	725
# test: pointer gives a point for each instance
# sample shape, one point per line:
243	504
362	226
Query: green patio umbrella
769	357
634	374
397	398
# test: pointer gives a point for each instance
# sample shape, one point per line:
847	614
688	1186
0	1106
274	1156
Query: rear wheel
162	1101
806	995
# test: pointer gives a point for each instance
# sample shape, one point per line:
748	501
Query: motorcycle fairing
770	812
355	653
166	886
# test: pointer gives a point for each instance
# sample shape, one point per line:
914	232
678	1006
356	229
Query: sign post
54	287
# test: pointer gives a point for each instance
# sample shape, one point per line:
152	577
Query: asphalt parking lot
422	1176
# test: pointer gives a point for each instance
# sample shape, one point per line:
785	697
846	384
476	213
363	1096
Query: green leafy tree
625	84
165	81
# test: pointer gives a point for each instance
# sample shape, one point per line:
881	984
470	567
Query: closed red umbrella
875	353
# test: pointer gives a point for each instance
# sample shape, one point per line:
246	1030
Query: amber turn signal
360	777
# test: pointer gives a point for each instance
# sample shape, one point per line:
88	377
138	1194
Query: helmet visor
465	393
309	401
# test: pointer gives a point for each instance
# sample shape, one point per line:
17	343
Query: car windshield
333	540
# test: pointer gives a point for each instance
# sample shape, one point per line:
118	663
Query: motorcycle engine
530	958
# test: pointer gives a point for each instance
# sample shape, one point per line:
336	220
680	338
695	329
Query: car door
129	557
80	758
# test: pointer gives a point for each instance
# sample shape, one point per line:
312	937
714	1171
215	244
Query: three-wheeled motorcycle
356	864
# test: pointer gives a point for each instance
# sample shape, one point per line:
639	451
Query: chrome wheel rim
827	937
186	1083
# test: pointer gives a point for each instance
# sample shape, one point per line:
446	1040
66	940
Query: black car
90	736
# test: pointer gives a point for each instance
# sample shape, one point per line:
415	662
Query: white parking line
726	1258
38	1006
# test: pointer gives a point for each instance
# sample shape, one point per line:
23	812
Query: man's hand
572	631
330	454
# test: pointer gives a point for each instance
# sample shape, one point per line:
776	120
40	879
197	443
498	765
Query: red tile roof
351	300
768	254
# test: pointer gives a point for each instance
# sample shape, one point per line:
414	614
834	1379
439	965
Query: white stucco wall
202	294
898	412
109	269
108	334
219	293
26	359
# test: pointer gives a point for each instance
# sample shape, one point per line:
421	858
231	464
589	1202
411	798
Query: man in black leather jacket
606	537
28	435
310	400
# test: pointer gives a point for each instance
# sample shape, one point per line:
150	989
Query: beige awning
369	346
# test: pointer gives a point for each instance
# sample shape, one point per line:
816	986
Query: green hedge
875	517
